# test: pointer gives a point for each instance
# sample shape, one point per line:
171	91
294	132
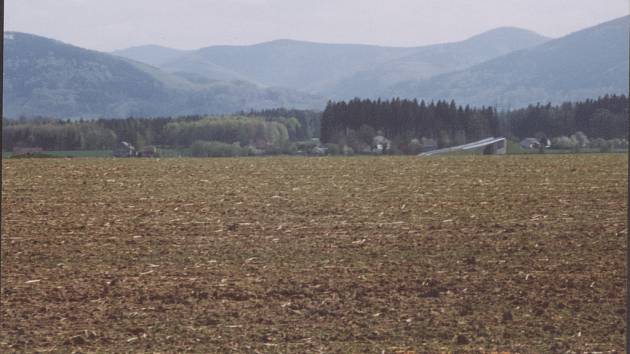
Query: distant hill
341	70
45	77
584	64
150	54
425	62
287	63
505	67
195	64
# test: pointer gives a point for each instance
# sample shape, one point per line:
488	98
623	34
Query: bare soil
337	255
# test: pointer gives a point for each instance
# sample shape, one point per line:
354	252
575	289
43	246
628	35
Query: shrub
606	147
347	150
218	149
619	143
414	147
581	139
333	149
597	143
563	142
283	147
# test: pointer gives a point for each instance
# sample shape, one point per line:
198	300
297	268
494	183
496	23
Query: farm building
530	143
319	150
534	144
489	146
124	149
380	144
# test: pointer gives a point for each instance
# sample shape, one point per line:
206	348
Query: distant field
71	153
104	153
367	254
513	149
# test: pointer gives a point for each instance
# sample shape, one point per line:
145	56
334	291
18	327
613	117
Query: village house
534	144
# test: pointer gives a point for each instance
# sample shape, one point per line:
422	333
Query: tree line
356	124
404	121
408	122
269	130
605	117
310	121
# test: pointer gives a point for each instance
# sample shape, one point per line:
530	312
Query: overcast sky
115	24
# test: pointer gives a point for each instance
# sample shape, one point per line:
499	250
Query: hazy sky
187	24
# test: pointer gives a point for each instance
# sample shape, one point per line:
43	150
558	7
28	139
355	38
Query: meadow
521	253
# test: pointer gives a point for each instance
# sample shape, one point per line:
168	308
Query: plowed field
303	255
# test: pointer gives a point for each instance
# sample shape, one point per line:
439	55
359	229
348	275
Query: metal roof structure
470	146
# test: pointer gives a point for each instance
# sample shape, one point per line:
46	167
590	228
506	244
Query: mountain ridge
583	64
503	67
323	68
46	77
152	54
435	59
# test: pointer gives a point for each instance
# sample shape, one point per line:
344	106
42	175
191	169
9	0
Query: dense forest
409	122
408	126
355	123
605	117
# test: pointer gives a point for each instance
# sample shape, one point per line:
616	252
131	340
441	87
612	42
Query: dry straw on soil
519	253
